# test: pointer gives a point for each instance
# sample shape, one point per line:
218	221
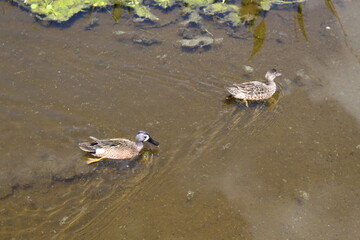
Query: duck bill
153	142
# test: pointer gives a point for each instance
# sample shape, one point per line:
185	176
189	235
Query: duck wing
108	142
91	147
112	142
251	88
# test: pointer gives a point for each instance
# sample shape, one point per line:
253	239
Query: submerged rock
196	36
199	42
145	39
190	33
193	19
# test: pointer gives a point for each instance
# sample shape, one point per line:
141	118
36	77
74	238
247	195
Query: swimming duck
255	90
116	148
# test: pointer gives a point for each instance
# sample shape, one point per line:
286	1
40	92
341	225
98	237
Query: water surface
285	169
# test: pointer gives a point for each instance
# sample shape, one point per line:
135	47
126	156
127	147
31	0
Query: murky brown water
288	169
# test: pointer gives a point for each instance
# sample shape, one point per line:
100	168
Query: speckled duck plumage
255	90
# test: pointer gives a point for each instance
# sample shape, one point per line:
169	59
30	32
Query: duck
254	90
116	148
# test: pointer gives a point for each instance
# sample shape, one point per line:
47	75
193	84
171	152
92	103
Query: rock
145	39
193	19
199	42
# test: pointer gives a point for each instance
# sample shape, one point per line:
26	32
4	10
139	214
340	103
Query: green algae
220	8
197	3
259	35
195	34
63	10
59	10
165	3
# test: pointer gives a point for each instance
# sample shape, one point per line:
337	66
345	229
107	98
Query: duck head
143	136
272	74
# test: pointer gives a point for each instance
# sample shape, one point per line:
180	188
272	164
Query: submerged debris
300	77
119	32
190	195
194	18
301	73
304	195
145	39
63	220
93	22
248	69
190	33
195	35
199	42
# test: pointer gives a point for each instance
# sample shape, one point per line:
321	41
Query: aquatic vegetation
259	35
194	12
63	10
165	3
299	17
197	3
220	8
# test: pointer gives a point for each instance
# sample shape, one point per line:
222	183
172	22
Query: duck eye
146	137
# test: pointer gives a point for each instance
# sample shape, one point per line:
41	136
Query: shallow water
285	169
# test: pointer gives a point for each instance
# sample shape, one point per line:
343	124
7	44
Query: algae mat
63	10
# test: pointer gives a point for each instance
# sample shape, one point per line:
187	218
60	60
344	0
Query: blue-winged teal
116	148
255	90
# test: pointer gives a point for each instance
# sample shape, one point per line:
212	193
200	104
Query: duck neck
139	145
271	82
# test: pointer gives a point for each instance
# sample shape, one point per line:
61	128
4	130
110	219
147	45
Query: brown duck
116	148
254	90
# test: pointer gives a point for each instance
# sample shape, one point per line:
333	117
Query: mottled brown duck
254	90
116	148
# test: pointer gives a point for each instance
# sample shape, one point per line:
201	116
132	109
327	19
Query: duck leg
94	160
246	102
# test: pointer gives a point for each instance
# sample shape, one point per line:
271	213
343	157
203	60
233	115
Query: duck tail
87	147
231	90
94	138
